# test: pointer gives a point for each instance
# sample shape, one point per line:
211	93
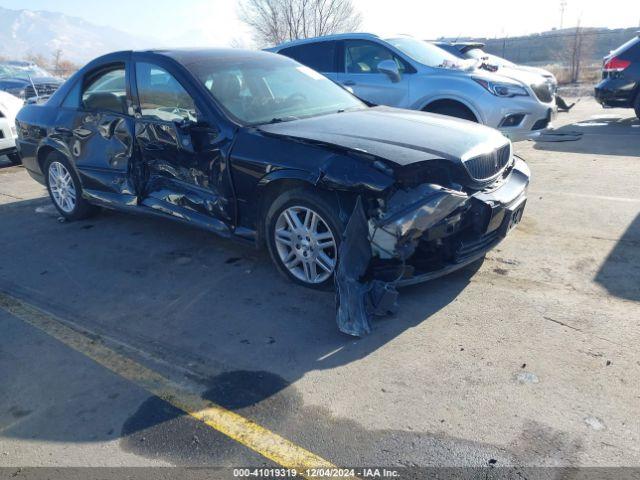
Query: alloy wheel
61	185
306	246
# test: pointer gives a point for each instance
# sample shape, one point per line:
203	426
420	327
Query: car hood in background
400	136
528	75
14	82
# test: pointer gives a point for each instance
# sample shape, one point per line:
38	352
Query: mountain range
39	32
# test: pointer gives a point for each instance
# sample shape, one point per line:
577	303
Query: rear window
319	56
631	45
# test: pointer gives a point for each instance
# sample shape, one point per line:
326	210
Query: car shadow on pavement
585	136
197	301
620	272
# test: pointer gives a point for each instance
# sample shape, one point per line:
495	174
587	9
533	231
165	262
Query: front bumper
536	117
443	236
616	92
424	233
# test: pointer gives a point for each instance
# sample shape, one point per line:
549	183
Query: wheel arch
453	100
270	187
46	148
274	184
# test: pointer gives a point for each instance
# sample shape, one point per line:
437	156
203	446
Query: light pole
563	6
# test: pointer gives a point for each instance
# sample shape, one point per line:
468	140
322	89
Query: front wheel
65	189
303	235
636	106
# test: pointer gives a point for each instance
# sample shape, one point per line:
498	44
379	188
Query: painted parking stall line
246	432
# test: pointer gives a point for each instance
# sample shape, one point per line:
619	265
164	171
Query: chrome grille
43	89
485	167
544	92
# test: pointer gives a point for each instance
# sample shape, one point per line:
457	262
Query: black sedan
257	147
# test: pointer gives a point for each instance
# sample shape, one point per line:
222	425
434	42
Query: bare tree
61	66
276	21
578	47
38	59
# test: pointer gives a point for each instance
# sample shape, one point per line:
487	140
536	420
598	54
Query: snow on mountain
24	32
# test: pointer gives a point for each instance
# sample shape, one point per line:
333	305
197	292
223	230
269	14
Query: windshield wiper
280	120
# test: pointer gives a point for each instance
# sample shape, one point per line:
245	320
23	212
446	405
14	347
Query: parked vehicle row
409	73
258	147
620	85
27	81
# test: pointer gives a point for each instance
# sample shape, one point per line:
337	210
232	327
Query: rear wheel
303	235
65	189
636	106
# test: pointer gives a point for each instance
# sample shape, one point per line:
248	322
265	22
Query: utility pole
563	6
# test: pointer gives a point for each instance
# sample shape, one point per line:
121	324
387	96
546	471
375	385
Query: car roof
184	56
325	38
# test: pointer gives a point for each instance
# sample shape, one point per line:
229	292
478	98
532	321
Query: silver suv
409	73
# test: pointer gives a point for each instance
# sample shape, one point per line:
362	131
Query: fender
49	143
283	174
426	101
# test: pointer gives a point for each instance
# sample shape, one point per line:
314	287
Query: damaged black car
258	147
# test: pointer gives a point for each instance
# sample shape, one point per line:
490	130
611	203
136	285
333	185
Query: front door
181	175
360	73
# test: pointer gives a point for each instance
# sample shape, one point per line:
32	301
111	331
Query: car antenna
34	88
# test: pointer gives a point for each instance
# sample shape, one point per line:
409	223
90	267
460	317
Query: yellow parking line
244	431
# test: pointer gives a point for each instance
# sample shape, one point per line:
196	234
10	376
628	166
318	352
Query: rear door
96	125
321	56
359	71
182	171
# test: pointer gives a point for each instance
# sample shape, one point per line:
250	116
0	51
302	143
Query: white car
9	108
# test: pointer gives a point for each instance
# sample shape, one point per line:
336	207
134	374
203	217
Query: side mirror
390	69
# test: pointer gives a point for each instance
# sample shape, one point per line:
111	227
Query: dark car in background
27	80
258	147
620	85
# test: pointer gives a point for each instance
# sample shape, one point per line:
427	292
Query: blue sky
215	22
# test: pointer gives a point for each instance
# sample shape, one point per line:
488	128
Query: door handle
349	83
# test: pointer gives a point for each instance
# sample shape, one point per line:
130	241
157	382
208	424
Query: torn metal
418	234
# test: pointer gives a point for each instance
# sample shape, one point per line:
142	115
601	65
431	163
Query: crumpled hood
399	136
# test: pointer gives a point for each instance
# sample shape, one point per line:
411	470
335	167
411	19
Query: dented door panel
179	180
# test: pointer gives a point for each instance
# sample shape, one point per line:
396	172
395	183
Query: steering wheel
296	97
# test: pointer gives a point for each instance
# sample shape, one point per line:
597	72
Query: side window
161	96
320	56
361	56
106	91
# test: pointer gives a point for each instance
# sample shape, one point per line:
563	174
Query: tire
68	201
636	106
452	110
313	257
14	158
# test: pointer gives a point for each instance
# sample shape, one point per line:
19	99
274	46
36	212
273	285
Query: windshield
257	91
427	54
24	72
479	54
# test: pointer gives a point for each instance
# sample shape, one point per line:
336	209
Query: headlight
503	89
